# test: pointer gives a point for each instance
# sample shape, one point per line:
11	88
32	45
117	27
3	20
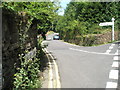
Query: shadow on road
44	63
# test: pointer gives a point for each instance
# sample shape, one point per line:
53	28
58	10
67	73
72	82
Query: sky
63	4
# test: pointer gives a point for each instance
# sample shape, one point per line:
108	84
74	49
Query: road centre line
90	52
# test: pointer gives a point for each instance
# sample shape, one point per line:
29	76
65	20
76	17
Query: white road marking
111	47
113	74
90	52
57	75
58	85
117	53
111	85
108	51
50	84
57	81
115	64
115	58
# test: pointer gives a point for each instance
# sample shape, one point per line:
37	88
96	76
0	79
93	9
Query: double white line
53	82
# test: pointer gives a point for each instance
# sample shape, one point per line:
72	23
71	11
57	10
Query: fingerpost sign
109	24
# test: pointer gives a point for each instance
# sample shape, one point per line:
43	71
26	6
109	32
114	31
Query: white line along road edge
58	84
50	82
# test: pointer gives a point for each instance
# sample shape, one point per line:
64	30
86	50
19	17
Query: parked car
56	37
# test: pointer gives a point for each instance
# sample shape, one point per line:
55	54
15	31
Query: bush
26	76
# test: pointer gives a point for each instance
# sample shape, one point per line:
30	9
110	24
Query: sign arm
109	24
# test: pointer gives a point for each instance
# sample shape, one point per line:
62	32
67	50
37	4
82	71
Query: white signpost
109	24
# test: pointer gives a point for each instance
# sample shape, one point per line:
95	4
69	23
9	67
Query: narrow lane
80	69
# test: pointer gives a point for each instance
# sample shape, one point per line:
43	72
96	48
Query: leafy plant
82	18
44	12
27	74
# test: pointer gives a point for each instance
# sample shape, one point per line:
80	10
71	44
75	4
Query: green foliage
39	47
44	12
95	29
27	74
82	18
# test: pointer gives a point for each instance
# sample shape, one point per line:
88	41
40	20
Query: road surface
86	67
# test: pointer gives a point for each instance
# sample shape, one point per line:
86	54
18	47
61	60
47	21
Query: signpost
106	24
109	24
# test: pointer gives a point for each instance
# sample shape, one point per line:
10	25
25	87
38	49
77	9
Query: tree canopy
44	12
81	18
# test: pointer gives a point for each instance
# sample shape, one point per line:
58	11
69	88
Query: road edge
53	82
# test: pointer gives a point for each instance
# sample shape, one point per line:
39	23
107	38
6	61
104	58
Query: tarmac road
85	67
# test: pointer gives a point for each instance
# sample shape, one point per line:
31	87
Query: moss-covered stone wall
18	34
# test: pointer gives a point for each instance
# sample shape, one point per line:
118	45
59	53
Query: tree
82	18
43	12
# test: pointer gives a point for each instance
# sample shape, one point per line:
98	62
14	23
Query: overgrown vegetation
83	18
80	20
26	75
44	12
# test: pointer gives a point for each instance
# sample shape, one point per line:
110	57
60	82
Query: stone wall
95	39
12	25
104	38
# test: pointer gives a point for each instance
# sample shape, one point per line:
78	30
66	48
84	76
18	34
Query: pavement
86	67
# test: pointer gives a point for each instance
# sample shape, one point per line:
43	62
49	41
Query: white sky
63	4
